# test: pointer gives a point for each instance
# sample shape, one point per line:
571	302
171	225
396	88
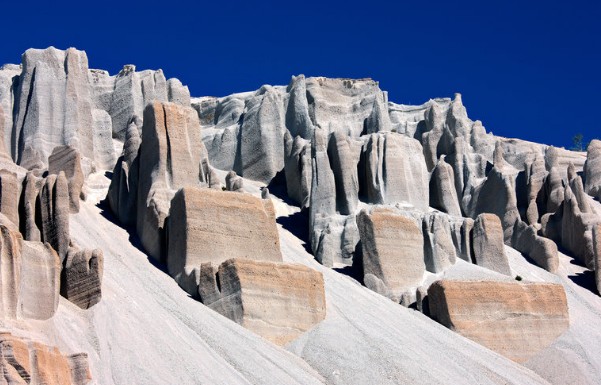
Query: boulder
278	301
393	252
233	182
67	160
81	277
516	320
487	243
207	225
31	362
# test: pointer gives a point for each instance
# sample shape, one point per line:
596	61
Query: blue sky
526	69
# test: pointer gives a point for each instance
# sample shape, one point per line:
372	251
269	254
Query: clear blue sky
526	69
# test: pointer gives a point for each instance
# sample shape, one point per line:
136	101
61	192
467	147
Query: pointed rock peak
127	69
498	160
551	156
457	98
571	172
594	144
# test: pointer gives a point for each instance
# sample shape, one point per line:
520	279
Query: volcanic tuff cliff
445	222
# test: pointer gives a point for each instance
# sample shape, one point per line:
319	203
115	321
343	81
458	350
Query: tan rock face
169	159
206	225
393	249
514	319
278	301
27	362
30	273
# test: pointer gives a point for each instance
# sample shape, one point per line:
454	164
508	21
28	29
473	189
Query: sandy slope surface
147	330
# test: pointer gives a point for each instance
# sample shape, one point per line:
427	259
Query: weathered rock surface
30	276
393	249
592	169
67	160
206	225
81	277
443	195
395	171
170	158
514	319
54	213
488	244
29	362
275	300
439	249
9	196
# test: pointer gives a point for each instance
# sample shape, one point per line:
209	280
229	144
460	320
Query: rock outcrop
393	248
275	300
206	225
517	320
9	196
30	276
169	156
488	245
30	362
67	160
81	277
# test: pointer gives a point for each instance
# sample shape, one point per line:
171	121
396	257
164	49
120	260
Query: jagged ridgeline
418	203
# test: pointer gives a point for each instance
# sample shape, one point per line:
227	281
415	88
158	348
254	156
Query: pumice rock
278	301
393	248
30	362
439	249
443	195
9	196
517	320
206	225
54	213
67	159
81	277
164	167
488	244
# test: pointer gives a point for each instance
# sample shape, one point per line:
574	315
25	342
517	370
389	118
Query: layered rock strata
517	320
30	362
275	300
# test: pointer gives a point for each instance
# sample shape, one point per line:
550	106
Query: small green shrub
518	278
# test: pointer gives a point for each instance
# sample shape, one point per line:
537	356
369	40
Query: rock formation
67	160
392	252
514	319
30	276
81	277
30	362
488	244
277	301
206	225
